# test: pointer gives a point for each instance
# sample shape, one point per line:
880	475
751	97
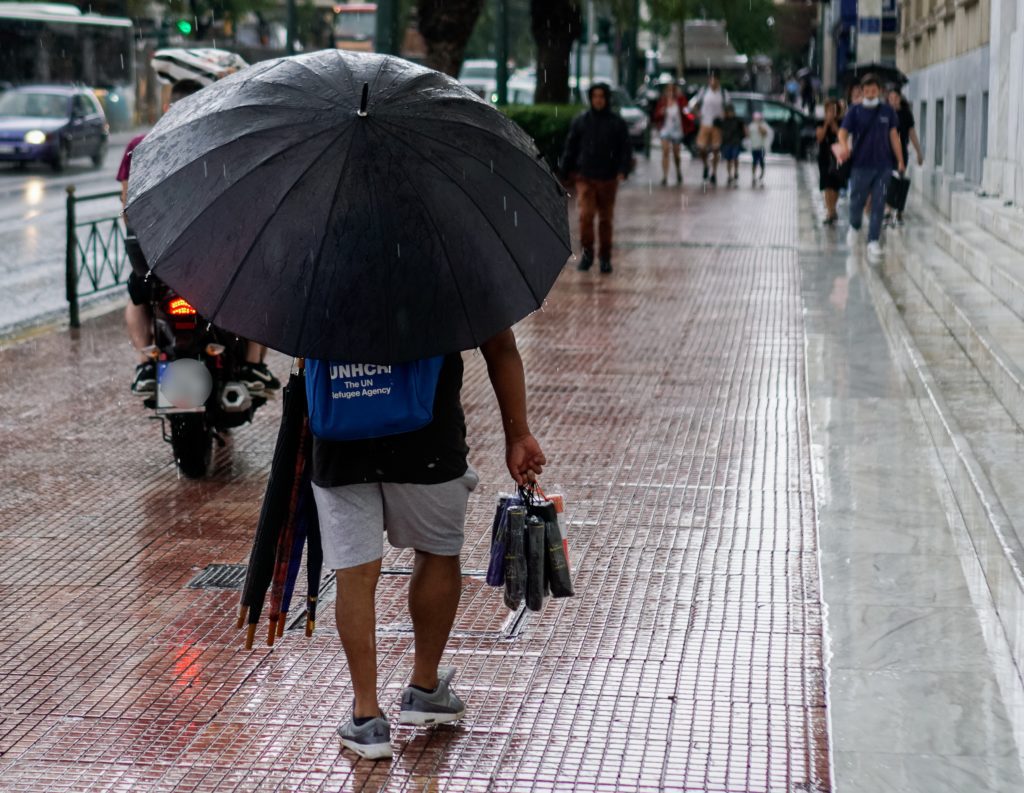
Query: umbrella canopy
349	206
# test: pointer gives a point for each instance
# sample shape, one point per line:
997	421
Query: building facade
1003	171
944	50
857	31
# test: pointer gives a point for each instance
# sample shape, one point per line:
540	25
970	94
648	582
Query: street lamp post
387	27
634	41
291	24
501	52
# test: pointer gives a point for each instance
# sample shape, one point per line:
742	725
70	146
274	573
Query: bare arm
124	193
897	149
523	454
917	146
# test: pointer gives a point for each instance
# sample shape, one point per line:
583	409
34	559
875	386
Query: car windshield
25	103
477	73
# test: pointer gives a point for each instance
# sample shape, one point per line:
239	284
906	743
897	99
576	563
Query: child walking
733	133
760	135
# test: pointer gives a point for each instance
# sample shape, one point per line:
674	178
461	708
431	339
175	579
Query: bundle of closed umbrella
288	523
343	206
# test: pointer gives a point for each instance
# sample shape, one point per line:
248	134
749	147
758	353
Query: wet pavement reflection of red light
670	400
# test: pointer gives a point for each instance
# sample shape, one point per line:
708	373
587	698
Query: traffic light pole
387	27
501	52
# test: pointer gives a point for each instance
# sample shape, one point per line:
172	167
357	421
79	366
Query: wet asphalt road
32	231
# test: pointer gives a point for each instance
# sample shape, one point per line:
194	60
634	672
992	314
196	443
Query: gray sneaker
371	740
438	707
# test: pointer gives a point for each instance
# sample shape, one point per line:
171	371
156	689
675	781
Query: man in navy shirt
874	127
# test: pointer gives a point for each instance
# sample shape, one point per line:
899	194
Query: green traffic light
184	27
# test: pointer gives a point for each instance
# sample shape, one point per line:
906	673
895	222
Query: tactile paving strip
669	398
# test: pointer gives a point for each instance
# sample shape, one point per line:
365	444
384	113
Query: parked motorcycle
199	395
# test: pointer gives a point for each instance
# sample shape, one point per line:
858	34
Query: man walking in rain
599	154
415	487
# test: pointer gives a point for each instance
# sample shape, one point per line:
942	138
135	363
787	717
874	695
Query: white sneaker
874	251
852	235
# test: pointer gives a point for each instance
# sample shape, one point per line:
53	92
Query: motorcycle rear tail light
180	307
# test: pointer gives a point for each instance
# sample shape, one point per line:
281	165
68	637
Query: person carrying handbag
873	130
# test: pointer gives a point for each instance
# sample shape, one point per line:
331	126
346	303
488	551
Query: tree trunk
555	25
446	26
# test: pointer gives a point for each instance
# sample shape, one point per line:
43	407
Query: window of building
960	133
984	125
940	141
922	127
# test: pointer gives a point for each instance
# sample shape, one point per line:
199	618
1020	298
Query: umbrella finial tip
363	102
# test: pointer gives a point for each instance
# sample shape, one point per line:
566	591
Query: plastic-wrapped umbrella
274	514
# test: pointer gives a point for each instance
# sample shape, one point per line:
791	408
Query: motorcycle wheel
192	443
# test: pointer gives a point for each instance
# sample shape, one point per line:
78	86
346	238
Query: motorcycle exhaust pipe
235	398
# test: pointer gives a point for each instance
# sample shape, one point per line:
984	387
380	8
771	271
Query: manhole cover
219	576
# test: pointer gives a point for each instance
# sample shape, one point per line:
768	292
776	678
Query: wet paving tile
671	402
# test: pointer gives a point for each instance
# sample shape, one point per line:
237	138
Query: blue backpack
356	401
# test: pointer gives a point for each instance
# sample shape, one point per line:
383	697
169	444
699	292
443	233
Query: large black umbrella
349	206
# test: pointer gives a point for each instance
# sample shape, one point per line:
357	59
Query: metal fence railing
96	257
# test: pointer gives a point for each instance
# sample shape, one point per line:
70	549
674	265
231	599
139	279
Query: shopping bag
897	190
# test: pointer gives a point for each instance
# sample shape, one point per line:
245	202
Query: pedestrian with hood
669	116
873	130
908	134
598	155
711	100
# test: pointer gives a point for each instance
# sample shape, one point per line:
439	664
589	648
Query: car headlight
35	137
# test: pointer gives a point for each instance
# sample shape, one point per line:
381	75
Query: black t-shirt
428	456
905	116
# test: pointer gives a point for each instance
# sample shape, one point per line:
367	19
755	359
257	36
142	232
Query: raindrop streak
504	203
399	246
122	61
515	219
204	169
225	171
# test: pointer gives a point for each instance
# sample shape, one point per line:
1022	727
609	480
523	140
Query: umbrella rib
288	192
501	239
199	215
477	159
448	260
227	143
319	253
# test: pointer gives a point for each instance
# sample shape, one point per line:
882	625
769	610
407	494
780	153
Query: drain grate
219	576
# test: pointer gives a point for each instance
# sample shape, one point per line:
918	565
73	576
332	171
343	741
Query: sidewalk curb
990	538
57	322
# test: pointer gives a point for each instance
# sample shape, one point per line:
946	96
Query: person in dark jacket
599	155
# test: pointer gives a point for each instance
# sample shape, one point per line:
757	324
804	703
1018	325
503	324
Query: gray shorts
353	519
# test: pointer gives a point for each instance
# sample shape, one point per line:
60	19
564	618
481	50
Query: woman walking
668	118
831	175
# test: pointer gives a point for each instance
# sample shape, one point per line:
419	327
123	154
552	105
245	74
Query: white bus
56	43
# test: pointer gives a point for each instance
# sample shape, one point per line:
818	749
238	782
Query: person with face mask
873	130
